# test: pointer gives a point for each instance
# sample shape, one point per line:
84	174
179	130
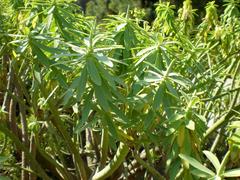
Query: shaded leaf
102	98
3	159
158	98
79	83
85	112
93	72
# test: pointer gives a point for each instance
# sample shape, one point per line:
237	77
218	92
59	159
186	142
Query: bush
120	98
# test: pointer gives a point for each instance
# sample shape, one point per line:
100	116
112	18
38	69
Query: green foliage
83	99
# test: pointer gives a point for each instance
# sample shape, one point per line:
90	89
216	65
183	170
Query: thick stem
93	140
24	131
32	176
119	157
104	147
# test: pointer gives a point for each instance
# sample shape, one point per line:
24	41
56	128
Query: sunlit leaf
104	59
232	173
214	160
196	164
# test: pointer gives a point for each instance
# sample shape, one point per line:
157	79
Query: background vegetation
119	98
101	8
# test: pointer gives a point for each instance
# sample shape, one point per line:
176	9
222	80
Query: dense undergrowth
120	98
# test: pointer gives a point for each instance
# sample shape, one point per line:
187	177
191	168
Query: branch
119	157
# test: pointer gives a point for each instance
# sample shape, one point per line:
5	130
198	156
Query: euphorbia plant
117	98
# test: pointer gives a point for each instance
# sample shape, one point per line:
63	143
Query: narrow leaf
93	72
104	59
79	83
196	164
200	173
82	84
111	127
232	173
214	160
85	112
120	114
158	97
101	98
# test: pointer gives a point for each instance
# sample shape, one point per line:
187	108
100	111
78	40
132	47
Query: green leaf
111	127
190	125
85	112
48	48
104	59
108	48
174	168
105	75
144	51
232	173
171	90
187	142
60	77
41	57
3	159
213	159
77	49
234	139
148	121
196	164
234	124
200	173
93	72
37	73
180	80
121	26
102	98
79	83
130	39
158	98
67	97
173	126
143	57
120	114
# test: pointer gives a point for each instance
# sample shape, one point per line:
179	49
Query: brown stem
32	176
25	140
